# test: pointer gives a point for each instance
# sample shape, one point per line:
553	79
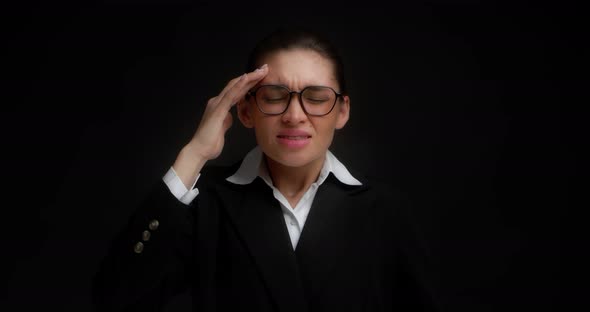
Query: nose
294	113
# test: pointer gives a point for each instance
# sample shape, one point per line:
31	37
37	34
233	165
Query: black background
465	105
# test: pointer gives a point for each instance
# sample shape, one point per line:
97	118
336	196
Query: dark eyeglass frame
253	94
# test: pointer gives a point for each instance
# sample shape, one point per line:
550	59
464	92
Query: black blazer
358	251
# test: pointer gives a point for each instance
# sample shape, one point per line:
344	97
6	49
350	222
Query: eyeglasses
275	99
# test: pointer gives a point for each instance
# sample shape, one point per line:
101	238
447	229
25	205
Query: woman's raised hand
208	140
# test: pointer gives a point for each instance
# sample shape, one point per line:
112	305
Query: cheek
325	126
264	129
261	123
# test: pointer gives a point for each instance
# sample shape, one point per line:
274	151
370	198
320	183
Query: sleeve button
138	248
146	235
154	225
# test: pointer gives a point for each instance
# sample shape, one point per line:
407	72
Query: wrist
188	164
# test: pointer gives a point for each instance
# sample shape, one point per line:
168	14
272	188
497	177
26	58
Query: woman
289	228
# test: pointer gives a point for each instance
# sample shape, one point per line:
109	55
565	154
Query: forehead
299	67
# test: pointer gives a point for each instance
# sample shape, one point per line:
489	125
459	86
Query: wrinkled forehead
297	68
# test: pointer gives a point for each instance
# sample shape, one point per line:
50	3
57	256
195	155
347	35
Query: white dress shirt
253	166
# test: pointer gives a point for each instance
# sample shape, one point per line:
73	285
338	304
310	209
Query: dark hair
288	39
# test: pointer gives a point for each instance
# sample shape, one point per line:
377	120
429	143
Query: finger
233	82
227	87
244	83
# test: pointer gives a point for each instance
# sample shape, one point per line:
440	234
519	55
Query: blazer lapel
258	219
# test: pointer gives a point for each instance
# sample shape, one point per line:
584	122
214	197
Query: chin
291	159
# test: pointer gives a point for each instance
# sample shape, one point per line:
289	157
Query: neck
292	181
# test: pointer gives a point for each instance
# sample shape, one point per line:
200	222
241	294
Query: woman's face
295	139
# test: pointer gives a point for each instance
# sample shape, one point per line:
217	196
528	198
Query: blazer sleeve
146	263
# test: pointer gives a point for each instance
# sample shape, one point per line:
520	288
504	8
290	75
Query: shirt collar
253	166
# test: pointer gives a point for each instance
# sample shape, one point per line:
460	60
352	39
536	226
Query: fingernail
264	66
243	76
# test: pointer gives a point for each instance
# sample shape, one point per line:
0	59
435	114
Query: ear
244	113
343	112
